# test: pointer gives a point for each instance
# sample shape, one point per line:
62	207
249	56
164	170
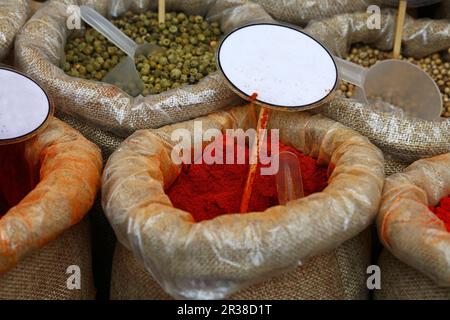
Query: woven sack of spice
39	53
336	275
400	281
300	12
64	173
43	275
406	225
214	258
13	15
404	138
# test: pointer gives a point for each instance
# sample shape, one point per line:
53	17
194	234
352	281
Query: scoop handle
351	72
107	29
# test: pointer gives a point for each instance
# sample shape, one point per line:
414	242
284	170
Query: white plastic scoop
399	83
125	74
290	70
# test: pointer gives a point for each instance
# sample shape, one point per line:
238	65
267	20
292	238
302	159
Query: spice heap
434	65
442	211
208	191
15	176
190	44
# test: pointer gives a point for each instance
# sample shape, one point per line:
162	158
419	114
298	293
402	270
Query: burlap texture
405	224
69	168
196	260
340	274
42	275
300	12
107	141
401	282
392	165
406	139
421	37
39	53
13	15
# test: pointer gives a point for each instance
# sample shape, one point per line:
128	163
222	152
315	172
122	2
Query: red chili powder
208	191
442	211
15	178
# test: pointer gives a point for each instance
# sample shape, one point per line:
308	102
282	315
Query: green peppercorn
190	43
175	74
173	29
66	66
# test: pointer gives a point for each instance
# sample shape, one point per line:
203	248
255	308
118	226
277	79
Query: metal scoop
125	74
399	83
289	178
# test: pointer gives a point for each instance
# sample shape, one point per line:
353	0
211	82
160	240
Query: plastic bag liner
406	139
215	258
69	168
39	53
405	224
13	15
300	12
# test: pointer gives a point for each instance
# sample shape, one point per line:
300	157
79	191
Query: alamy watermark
74	17
374	279
74	280
189	148
374	20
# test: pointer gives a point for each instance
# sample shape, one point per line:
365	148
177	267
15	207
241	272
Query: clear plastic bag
217	257
405	224
40	48
13	15
68	167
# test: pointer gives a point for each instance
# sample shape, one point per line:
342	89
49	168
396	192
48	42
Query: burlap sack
401	282
337	275
398	280
300	12
39	53
107	141
69	168
421	37
43	275
405	224
196	260
13	15
406	139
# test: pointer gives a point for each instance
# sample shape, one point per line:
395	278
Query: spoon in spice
125	74
396	82
289	178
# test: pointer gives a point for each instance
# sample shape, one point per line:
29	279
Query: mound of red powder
208	191
442	211
15	177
